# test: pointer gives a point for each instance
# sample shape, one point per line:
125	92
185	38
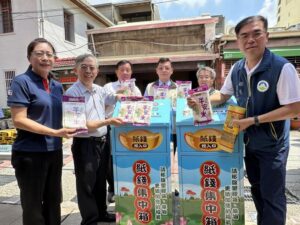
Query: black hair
164	60
123	62
248	20
35	42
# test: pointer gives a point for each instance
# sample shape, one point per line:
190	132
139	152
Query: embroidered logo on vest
262	86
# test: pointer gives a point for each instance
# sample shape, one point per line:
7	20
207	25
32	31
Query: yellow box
227	141
233	112
8	133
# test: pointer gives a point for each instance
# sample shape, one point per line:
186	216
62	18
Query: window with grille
9	76
69	26
6	23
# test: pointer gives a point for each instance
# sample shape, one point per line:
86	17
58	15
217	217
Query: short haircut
123	62
164	60
206	68
248	20
35	42
79	59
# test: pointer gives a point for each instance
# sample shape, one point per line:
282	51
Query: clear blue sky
233	10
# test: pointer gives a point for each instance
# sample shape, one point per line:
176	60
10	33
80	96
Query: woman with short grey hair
206	75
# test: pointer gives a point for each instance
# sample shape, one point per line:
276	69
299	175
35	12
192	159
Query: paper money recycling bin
210	178
142	174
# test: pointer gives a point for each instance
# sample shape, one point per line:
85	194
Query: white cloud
269	10
230	24
184	3
218	2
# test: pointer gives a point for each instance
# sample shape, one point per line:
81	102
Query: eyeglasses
86	67
204	77
40	54
255	35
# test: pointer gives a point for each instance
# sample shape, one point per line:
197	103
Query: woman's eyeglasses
40	54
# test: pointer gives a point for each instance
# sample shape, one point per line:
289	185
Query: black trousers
39	180
90	162
266	173
174	139
110	172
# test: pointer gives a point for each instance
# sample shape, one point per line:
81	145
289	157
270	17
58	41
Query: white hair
206	68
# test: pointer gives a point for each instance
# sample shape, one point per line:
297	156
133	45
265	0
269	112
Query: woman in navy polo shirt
36	107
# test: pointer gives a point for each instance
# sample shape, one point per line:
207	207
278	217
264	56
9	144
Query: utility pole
42	19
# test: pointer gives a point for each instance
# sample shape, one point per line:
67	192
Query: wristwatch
256	121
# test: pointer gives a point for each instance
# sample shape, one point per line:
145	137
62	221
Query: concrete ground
10	209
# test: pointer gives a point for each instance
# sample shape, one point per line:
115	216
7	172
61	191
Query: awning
284	51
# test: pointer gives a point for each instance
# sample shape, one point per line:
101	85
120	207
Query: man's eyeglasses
86	67
204	77
255	35
40	54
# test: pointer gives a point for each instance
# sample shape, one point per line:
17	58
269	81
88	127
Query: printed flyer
74	113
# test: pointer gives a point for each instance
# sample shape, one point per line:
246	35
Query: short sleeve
107	87
137	91
110	96
19	95
227	88
147	90
288	86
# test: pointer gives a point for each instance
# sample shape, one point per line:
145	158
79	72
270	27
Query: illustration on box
212	192
143	192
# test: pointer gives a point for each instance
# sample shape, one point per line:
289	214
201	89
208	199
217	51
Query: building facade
188	43
62	22
133	11
288	13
